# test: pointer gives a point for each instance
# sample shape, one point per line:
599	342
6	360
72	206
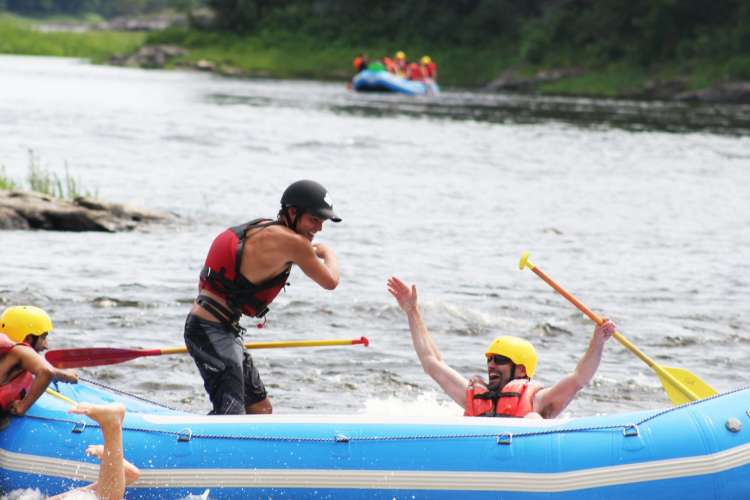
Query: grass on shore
41	180
6	183
18	36
288	55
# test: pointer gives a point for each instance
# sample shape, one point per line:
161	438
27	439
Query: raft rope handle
125	393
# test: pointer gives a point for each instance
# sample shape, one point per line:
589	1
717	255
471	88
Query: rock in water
30	210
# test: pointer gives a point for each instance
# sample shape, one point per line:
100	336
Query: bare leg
262	406
111	482
131	471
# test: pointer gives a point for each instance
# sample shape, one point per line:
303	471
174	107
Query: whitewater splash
34	494
425	405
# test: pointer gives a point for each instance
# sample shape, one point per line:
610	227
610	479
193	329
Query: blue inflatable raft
696	451
383	81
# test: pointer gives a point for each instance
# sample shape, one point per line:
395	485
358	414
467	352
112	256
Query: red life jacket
19	385
221	273
415	72
430	70
514	400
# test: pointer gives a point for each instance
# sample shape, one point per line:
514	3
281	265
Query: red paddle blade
95	356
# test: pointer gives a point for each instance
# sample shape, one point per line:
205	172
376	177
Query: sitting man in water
246	267
511	363
24	373
115	473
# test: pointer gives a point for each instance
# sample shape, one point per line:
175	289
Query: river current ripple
640	209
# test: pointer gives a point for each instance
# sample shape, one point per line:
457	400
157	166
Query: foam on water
35	494
426	404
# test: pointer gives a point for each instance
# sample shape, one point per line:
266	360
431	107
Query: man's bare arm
452	382
552	401
43	372
317	261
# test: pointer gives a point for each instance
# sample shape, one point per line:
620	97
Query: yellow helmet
400	55
425	60
520	351
18	322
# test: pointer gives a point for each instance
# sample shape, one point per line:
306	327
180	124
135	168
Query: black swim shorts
229	375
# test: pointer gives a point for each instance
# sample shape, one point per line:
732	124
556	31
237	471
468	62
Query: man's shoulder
276	236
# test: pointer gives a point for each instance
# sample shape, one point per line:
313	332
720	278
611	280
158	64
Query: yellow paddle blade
687	379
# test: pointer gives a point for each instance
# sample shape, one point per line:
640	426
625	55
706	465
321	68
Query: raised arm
452	382
552	401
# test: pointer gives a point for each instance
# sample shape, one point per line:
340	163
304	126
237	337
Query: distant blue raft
383	81
695	451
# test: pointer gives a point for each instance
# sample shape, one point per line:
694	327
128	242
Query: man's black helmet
310	197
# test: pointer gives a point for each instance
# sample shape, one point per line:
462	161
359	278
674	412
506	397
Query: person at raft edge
429	67
24	372
246	268
400	64
511	364
360	62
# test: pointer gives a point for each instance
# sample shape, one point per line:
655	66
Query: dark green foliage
106	8
641	32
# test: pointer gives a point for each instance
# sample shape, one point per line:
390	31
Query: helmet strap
287	219
33	342
297	217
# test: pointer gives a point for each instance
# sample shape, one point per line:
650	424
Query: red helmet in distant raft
310	197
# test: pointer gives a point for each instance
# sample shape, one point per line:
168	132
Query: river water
641	210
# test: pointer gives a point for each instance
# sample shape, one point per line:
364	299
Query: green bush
739	68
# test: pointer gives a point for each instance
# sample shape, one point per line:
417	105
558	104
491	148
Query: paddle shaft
97	356
622	340
274	345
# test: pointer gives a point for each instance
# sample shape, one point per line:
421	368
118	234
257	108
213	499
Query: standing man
511	363
246	268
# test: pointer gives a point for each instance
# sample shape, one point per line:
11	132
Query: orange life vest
389	64
514	400
359	64
19	385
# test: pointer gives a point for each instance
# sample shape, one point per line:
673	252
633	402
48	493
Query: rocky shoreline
677	89
29	210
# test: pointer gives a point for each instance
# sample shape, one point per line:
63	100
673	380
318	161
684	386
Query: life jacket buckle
505	438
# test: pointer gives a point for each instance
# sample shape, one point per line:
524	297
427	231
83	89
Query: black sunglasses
499	360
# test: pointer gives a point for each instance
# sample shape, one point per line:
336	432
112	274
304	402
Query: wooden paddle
96	356
681	385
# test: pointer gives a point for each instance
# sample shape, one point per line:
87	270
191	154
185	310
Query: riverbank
496	67
25	37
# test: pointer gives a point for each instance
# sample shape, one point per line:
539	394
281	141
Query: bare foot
95	450
111	414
